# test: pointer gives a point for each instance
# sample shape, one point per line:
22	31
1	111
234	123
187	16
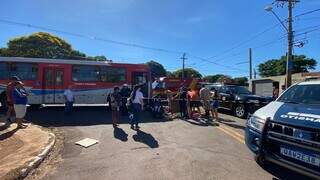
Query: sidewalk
20	149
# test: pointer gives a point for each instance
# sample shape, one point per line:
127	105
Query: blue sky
205	28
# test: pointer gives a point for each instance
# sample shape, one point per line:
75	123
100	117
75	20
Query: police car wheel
240	111
3	101
261	161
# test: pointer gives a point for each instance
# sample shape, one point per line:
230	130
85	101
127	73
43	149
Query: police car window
305	94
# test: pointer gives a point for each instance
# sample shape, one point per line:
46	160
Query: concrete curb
38	159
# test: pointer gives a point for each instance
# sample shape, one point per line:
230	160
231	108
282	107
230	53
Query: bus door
53	85
141	78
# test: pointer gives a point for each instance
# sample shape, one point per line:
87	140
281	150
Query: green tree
276	67
44	45
97	58
243	81
157	69
188	73
40	45
213	78
169	74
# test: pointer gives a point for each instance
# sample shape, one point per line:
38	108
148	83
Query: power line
90	37
261	33
246	41
306	13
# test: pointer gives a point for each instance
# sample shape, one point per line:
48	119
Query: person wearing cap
69	100
9	94
125	93
20	101
116	101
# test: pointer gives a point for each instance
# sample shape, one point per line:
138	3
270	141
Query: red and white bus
92	81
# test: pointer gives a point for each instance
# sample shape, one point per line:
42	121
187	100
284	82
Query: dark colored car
239	99
287	131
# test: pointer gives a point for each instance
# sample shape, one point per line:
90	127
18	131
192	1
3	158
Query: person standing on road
9	95
194	100
137	104
116	101
20	101
125	93
205	96
169	99
215	104
182	97
69	100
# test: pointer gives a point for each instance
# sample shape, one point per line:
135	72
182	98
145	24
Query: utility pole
250	63
290	39
183	62
290	45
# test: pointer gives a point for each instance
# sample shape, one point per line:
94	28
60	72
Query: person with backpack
125	93
136	99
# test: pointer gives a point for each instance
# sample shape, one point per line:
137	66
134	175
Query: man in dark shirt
183	97
115	106
125	93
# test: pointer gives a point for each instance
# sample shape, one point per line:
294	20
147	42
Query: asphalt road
161	150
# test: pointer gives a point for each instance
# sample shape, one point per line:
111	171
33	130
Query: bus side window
85	73
4	69
25	71
112	74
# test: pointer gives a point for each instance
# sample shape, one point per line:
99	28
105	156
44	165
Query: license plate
301	156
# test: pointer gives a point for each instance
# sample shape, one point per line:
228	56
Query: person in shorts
215	104
9	95
20	101
205	96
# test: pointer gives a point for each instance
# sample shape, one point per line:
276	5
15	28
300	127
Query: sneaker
9	121
132	127
137	127
22	126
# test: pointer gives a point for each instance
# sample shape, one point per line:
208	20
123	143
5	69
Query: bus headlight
256	123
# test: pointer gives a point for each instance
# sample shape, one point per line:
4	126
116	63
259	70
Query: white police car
287	131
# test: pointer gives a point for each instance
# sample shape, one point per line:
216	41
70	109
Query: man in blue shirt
20	103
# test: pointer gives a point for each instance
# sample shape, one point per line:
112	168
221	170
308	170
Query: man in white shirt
137	103
69	99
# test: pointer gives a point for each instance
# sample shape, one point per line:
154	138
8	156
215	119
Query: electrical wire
90	37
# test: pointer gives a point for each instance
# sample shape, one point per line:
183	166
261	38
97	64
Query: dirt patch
52	160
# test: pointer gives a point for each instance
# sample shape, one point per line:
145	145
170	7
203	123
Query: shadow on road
8	134
81	116
231	123
281	173
120	134
145	138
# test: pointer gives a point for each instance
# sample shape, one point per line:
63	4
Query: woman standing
215	104
137	105
116	101
20	103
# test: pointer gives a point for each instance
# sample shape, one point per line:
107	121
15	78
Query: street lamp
289	31
269	8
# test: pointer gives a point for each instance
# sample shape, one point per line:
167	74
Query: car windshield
302	94
239	90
